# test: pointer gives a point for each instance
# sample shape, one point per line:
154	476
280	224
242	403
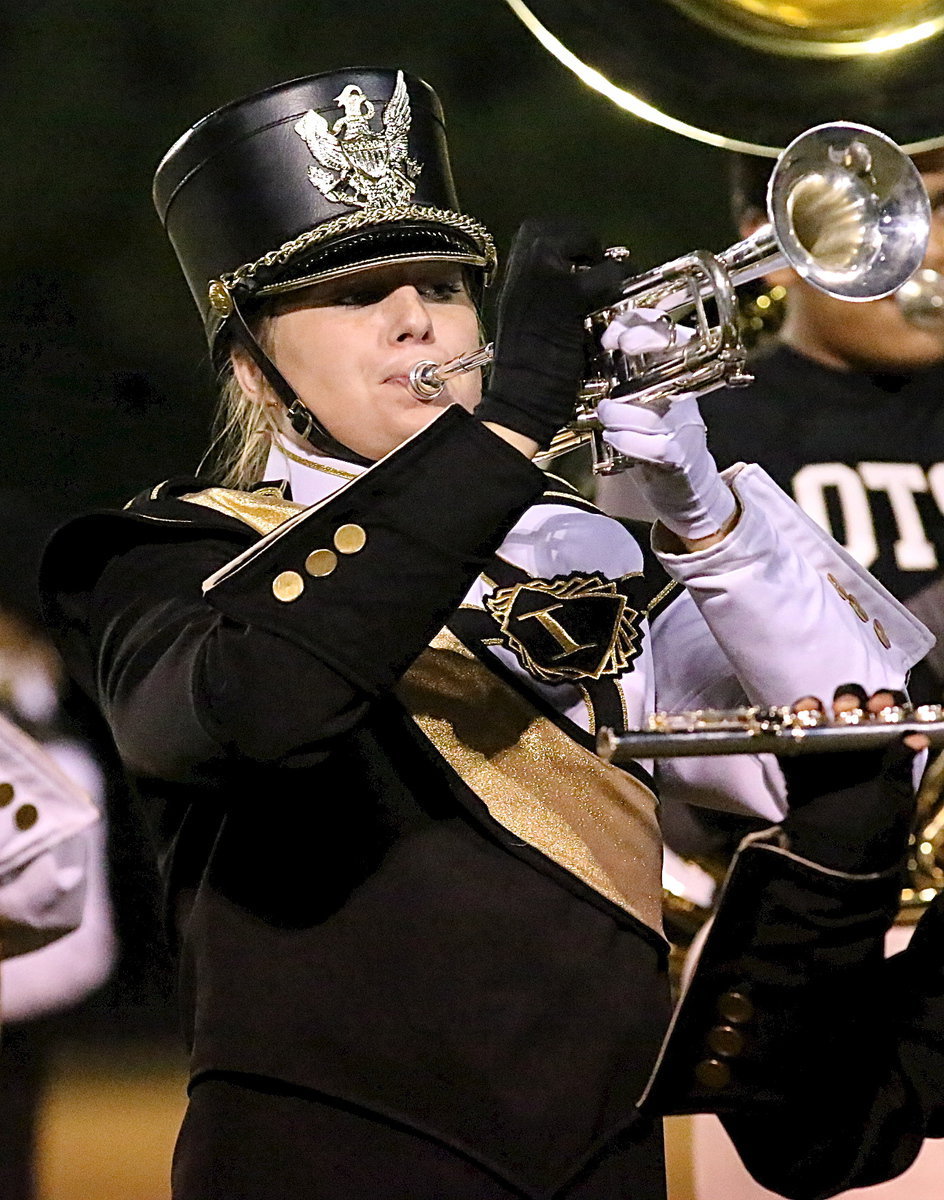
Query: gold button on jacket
349	539
288	586
320	563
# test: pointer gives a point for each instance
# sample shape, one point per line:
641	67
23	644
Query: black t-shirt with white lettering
862	454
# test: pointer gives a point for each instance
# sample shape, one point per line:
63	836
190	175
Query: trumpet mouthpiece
425	384
427	379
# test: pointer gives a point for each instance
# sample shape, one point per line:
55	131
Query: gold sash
588	816
263	510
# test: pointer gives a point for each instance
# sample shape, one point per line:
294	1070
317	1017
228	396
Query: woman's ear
249	377
247	374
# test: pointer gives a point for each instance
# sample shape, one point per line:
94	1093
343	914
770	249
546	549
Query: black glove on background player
539	343
851	811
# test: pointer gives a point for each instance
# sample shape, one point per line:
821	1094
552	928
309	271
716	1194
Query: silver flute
778	731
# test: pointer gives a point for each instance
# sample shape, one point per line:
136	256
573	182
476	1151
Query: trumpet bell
818	28
849	211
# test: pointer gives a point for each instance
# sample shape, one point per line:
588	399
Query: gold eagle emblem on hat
355	164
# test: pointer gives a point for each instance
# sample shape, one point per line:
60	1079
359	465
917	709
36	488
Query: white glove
644	331
675	471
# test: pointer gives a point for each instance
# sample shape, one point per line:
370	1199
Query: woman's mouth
403	380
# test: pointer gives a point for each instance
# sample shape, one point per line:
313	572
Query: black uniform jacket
351	919
824	1059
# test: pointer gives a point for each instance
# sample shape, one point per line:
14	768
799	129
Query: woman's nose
409	315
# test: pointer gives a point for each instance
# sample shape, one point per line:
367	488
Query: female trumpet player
356	678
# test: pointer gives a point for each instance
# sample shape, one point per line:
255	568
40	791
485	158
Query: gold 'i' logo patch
568	628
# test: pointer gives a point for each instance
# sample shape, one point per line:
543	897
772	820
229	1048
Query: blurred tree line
103	376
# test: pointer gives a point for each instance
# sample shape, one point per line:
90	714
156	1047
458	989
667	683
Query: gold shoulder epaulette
262	510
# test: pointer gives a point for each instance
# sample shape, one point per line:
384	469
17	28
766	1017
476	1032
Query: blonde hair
245	426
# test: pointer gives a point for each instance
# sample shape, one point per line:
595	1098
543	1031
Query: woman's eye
441	291
434	293
358	299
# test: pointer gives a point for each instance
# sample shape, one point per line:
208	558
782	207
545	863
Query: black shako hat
309	180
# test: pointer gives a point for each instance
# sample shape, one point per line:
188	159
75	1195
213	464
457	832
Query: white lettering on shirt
901	482
809	491
913	551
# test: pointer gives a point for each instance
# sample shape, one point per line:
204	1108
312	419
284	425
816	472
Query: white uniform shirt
774	611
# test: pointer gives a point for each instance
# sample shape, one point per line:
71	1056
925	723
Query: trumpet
847	210
921	299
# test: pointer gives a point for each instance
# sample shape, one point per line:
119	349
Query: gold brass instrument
747	74
926	853
921	299
847	211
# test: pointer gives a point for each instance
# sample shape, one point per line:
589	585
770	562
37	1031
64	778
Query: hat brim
382	245
350	244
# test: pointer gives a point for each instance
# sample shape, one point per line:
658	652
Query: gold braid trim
360	220
315	466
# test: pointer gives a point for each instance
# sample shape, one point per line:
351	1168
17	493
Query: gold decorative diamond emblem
568	628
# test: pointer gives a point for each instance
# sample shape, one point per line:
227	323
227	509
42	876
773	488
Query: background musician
57	939
824	1057
847	414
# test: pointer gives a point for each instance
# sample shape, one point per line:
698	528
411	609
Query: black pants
242	1141
22	1076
